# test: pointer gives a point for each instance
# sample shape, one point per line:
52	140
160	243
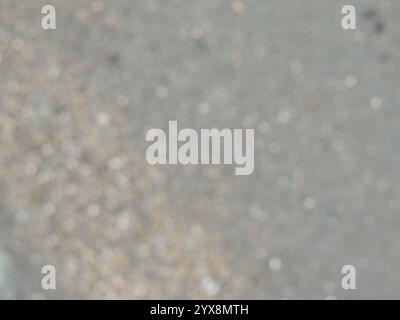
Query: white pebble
209	286
275	264
351	81
103	119
376	103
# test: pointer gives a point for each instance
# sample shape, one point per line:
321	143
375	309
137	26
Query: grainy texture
76	192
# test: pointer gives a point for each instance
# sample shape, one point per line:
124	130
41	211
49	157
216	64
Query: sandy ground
76	191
